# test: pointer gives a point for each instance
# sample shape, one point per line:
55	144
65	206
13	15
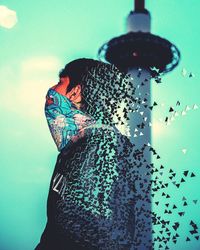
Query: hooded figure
92	193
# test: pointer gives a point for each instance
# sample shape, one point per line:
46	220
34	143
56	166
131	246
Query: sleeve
64	120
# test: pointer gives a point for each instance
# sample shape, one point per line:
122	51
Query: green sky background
49	34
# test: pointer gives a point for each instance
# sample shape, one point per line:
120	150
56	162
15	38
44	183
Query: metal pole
139	5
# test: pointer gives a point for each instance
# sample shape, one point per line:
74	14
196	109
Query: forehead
64	79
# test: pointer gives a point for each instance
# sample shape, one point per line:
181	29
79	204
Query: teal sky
48	35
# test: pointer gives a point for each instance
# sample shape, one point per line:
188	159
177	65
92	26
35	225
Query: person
85	207
66	120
